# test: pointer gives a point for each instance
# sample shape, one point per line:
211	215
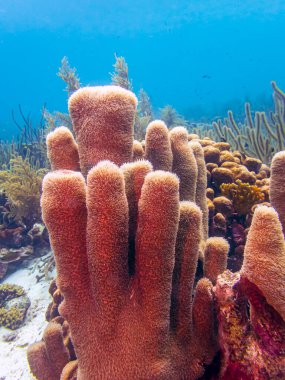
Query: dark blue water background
202	57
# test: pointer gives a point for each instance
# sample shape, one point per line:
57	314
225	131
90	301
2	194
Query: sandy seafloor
13	358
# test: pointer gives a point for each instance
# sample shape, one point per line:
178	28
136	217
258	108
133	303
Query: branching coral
120	77
171	117
144	115
22	185
30	143
243	195
261	136
69	76
72	81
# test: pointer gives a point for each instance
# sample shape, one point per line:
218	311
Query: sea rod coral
124	326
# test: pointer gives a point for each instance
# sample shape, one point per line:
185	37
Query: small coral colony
167	238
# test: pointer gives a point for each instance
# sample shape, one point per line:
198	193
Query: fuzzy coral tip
102	93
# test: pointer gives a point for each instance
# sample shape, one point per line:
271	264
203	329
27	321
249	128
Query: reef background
202	59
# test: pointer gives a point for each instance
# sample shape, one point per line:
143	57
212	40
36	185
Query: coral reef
130	245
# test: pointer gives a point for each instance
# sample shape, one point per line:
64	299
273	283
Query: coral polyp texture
129	231
103	121
122	321
126	277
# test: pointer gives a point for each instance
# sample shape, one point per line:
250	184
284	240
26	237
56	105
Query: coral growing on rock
13	306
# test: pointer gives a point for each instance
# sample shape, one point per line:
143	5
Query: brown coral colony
143	234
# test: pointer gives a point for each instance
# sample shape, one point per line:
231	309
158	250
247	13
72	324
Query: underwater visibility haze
142	201
202	57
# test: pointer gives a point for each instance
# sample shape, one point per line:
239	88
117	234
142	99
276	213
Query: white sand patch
13	358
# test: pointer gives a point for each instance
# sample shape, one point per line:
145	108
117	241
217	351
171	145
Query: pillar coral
157	146
215	257
277	189
120	324
126	324
184	163
103	122
62	150
48	358
201	186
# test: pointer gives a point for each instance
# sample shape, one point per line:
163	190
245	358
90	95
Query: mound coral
13	306
243	195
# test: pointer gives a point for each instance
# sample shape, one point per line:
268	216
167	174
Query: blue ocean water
202	57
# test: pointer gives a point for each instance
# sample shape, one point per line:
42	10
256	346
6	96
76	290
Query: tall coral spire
186	258
184	163
107	257
201	187
157	146
103	121
155	247
63	204
264	257
215	257
62	150
277	186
